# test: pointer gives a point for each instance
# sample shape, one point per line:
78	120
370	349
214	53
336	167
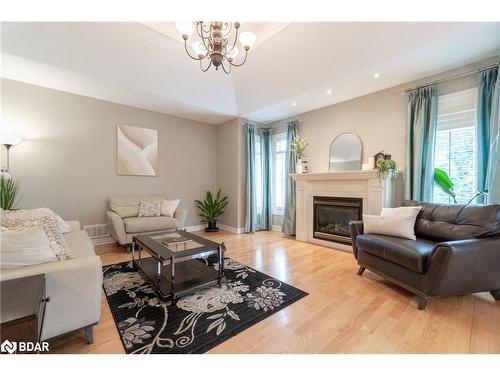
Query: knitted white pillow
149	208
168	207
50	226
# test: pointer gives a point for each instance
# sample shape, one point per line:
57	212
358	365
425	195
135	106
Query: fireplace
331	217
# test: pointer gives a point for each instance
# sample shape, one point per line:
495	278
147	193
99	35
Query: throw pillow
168	207
50	226
25	247
412	211
397	226
149	208
39	212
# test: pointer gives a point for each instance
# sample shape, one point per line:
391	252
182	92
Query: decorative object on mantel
299	146
211	209
378	158
387	167
345	153
217	45
137	151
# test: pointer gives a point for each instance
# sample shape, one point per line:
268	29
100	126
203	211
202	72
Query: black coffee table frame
177	273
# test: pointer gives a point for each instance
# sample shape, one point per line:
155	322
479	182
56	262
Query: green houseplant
9	191
211	208
444	181
387	167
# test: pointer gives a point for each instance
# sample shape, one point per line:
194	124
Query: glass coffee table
173	267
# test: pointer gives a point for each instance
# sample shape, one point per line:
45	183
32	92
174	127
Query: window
279	173
455	150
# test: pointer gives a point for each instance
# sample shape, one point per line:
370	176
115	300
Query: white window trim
276	138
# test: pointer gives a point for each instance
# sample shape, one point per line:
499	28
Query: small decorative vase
212	227
298	166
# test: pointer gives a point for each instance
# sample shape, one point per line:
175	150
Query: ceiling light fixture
329	91
294	104
217	44
376	75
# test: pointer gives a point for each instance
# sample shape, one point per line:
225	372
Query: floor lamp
8	140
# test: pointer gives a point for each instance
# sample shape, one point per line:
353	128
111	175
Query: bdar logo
8	347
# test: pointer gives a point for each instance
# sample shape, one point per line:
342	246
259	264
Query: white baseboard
195	228
102	240
231	229
276	228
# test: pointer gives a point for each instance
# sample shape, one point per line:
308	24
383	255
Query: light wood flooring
344	313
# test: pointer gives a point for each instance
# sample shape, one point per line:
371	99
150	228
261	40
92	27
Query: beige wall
231	171
67	160
379	119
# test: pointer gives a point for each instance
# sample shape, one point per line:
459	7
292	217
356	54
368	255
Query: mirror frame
330	151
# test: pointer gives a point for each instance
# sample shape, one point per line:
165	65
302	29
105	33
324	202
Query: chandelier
216	43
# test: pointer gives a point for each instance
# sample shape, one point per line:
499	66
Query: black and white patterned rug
195	323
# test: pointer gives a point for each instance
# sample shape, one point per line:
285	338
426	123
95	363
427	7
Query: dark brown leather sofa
457	252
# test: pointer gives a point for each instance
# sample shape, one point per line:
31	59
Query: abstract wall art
137	151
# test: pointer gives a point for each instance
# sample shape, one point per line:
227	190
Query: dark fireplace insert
332	216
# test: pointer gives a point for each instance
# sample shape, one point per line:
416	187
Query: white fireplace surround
376	193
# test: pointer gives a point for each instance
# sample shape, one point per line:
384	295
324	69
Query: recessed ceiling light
294	104
329	91
376	75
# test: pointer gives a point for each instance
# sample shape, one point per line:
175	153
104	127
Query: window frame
278	137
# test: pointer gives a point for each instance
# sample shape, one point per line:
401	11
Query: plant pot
212	227
298	166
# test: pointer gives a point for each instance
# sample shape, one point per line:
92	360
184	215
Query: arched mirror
345	153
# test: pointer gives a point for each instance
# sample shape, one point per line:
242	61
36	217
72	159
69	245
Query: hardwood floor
344	313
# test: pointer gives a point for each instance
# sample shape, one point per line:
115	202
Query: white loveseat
124	223
73	286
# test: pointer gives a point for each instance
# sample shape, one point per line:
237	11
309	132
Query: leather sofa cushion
128	206
410	254
440	222
149	224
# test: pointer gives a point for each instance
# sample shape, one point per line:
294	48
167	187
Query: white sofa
124	224
73	286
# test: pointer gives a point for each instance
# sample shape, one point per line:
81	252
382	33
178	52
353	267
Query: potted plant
299	146
444	181
211	209
387	167
9	190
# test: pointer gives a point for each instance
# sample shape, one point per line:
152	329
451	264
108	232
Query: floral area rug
194	323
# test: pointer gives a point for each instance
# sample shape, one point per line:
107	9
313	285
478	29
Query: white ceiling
145	65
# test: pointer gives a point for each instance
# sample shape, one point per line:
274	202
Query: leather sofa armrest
356	228
116	227
465	266
180	215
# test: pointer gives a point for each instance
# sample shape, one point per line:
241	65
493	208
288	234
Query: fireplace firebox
332	216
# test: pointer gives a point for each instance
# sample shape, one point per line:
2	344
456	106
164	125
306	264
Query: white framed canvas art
137	151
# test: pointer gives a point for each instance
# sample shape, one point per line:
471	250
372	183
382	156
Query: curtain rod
450	78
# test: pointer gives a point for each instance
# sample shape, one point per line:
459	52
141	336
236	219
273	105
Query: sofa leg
89	332
496	294
361	270
422	303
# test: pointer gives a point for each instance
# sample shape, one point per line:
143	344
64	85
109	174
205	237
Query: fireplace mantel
376	192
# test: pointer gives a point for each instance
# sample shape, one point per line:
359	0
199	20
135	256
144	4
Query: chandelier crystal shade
215	43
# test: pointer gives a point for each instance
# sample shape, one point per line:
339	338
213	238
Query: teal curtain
487	135
421	135
289	210
266	157
250	199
